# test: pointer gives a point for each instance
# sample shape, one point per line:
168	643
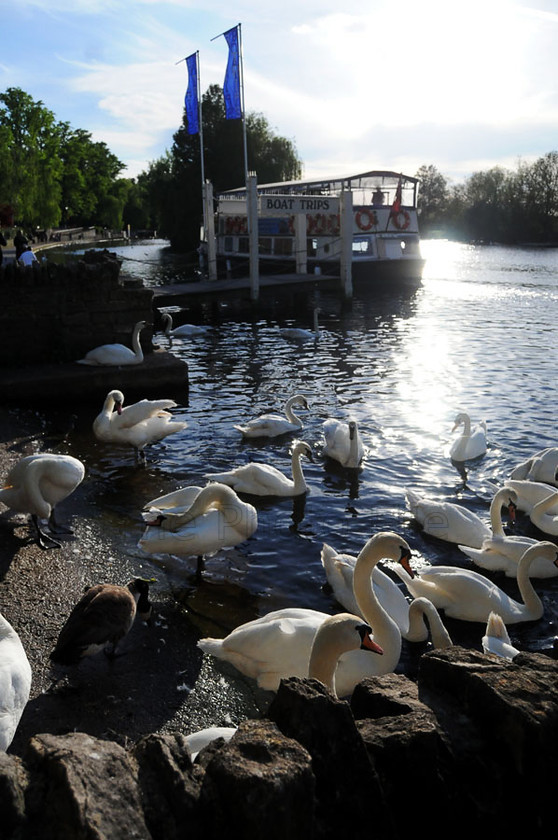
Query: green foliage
174	182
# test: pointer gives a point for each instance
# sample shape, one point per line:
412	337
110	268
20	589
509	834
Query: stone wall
55	313
470	748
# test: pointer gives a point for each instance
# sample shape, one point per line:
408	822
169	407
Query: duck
467	595
448	521
343	442
544	514
265	479
502	552
15	682
216	518
100	620
273	425
36	484
301	334
117	354
529	493
472	441
136	425
496	639
542	466
184	330
279	644
410	617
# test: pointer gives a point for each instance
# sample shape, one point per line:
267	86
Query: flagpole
241	69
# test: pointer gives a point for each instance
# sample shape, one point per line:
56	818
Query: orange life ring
401	219
372	219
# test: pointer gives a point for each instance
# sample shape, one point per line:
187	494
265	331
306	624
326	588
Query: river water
480	334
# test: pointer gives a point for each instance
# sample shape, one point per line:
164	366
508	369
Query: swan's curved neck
291	416
422	608
168	323
386	631
466	420
136	345
298	476
526	588
496	514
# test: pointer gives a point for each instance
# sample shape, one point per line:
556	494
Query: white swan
136	425
272	425
343	442
529	493
279	644
36	484
15	682
501	552
183	330
339	571
472	441
543	466
117	354
100	620
298	333
543	515
216	518
470	596
197	741
265	479
496	638
448	521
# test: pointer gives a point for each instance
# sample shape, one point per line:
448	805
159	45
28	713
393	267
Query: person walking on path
20	244
27	257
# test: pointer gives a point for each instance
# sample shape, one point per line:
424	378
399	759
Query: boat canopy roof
365	184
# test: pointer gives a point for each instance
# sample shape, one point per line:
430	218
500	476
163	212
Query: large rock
82	788
13	784
347	786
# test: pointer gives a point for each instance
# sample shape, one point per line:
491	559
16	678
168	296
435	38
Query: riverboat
383	228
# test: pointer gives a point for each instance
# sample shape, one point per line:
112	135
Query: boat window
264	244
283	246
311	247
228	243
243	245
362	246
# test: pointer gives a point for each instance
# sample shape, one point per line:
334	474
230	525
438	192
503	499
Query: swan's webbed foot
44	541
57	527
200	566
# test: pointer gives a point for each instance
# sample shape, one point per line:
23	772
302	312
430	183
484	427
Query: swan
36	484
343	442
470	596
117	354
100	620
301	334
136	425
15	682
272	425
496	639
472	441
279	644
339	571
543	466
265	479
529	493
501	552
216	518
183	330
544	516
197	741
448	521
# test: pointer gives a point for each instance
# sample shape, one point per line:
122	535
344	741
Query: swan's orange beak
404	560
511	510
119	408
370	644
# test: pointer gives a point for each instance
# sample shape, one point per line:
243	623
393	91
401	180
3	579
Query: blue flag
191	98
231	87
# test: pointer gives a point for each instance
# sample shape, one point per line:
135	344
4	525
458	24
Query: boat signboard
278	205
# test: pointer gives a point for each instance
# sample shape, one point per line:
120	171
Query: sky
380	84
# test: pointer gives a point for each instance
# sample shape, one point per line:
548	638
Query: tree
179	205
433	199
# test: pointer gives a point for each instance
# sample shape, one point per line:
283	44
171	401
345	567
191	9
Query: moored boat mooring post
346	233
